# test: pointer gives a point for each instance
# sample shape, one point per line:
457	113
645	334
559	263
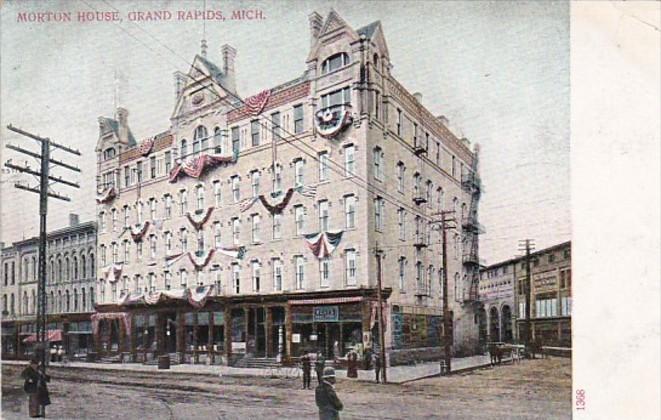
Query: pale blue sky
499	71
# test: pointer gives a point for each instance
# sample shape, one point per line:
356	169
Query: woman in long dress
35	387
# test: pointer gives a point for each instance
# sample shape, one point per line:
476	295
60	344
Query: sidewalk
396	374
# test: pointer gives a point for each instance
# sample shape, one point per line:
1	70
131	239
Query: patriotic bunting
322	244
171	259
201	261
329	123
196	167
198	220
198	296
277	208
255	104
307	191
139	230
106	195
145	148
115	270
125	317
247	203
236	253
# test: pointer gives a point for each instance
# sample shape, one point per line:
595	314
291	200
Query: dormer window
200	139
334	62
109	153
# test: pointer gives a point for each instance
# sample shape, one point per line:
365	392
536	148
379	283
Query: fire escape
420	197
470	183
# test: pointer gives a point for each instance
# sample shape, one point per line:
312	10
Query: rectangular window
236	141
168	162
138	250
324	272
127	176
152	246
298	173
152	209
254	183
184	240
378	213
400	177
183	278
255	228
152	167
200	241
115	254
399	122
350	264
350	211
256	276
438	153
299	217
236	231
236	196
378	164
454	167
126	216
323	166
168	280
200	197
349	160
298	119
275	125
323	215
236	278
168	242
401	217
183	202
217	193
168	206
376	105
277	179
254	132
299	267
277	226
277	275
139	171
402	272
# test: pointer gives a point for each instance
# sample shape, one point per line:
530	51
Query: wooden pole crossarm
35	173
42	139
36	190
38	156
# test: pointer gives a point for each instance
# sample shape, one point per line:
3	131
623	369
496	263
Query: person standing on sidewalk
327	401
35	387
307	368
376	360
319	366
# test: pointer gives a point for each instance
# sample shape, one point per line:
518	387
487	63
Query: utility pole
43	175
447	321
527	243
379	310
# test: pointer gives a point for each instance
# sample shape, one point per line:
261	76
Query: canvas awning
52	336
327	301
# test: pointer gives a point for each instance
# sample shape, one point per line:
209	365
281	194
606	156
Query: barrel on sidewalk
164	361
91	357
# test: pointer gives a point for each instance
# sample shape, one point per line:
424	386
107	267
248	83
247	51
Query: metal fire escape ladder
470	183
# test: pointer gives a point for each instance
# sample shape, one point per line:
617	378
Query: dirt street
536	389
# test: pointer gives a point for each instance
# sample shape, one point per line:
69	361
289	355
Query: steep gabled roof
369	30
112	125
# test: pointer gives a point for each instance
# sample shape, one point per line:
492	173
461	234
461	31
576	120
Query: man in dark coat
307	368
377	366
327	401
35	387
319	365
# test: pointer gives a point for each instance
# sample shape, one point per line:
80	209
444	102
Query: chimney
73	219
179	83
229	54
418	97
316	22
121	115
443	119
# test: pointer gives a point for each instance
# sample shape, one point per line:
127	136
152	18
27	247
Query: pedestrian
336	351
307	368
53	353
60	353
352	370
35	387
376	360
319	365
327	401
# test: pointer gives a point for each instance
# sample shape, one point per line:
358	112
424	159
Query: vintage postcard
333	209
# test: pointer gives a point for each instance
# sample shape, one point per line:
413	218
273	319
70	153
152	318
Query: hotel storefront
225	329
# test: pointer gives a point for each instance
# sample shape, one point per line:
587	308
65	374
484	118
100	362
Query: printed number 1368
580	399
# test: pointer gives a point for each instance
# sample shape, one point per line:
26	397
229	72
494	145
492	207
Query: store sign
295	338
326	313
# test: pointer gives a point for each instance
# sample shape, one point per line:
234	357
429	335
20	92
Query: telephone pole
379	310
526	245
447	318
43	176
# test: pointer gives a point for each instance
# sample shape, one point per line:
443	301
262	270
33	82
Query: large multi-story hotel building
250	227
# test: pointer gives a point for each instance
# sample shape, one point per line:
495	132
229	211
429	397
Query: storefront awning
53	335
327	301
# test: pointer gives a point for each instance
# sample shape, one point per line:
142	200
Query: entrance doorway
169	337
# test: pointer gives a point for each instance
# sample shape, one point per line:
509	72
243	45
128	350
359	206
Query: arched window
92	297
75	268
334	62
83	266
83	300
68	301
108	153
59	269
376	61
218	140
92	265
59	301
25	309
34	268
34	302
200	139
75	300
184	148
51	302
67	269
